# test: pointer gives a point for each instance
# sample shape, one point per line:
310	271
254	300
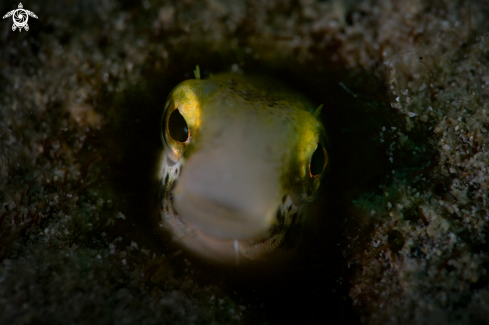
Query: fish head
240	151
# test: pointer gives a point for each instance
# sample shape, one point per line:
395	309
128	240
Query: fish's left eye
318	161
177	126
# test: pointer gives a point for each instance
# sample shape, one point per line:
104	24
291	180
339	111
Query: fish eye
318	161
177	126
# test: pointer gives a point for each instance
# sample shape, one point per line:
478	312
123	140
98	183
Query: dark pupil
317	161
177	126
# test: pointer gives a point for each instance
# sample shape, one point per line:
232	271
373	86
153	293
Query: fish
243	156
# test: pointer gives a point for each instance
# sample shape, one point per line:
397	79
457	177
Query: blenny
242	157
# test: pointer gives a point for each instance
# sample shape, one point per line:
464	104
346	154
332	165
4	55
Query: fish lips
222	199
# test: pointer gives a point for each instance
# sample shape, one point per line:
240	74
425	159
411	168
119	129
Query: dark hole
177	126
318	159
395	240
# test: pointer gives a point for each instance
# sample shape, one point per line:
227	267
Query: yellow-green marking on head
241	155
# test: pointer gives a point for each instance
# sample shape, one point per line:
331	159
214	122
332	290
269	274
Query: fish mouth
225	198
212	225
226	249
219	213
218	219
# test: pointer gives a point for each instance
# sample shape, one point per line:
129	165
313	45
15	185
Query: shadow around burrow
316	285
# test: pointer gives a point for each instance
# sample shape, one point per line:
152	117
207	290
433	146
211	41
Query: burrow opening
356	108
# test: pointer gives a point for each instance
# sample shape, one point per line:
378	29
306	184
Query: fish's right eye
177	127
318	161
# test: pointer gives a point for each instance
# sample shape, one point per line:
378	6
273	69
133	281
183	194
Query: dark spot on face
289	208
176	171
280	217
284	198
295	218
161	193
173	185
167	178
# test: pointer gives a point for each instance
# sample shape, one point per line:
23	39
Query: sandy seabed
401	224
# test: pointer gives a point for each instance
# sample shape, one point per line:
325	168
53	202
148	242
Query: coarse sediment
84	84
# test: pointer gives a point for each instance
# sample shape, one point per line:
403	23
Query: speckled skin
292	132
